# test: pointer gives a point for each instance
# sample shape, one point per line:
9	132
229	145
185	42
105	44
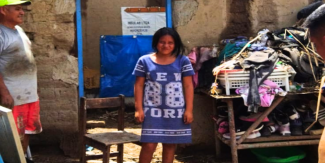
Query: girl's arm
138	98
189	96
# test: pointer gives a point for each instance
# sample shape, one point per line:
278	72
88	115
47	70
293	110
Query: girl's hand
139	116
188	117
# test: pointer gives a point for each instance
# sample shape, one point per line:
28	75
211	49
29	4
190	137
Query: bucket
279	155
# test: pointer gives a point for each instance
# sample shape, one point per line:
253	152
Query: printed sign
142	23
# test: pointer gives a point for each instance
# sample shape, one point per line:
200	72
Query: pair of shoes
222	124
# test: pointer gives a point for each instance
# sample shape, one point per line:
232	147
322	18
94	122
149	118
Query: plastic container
279	155
233	79
1	161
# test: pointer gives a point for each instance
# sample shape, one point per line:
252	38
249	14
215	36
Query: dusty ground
52	154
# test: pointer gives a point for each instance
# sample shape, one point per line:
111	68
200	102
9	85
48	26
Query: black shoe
296	127
28	160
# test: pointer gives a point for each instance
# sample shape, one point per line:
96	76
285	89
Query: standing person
315	22
18	80
162	108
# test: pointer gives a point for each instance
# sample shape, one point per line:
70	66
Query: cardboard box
91	78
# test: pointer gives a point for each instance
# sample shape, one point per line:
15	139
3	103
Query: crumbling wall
205	22
50	26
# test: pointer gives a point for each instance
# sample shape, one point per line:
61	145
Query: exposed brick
66	93
46	93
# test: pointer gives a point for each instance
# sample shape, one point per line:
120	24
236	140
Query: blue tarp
119	54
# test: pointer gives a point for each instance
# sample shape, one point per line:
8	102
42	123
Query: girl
160	105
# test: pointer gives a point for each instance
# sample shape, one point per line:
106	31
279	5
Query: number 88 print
174	94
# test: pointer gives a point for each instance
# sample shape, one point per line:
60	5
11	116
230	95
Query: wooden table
261	142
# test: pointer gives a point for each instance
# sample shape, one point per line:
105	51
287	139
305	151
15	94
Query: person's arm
189	96
6	99
138	98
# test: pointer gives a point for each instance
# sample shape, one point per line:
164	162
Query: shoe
291	111
309	116
217	119
28	160
296	127
222	111
268	130
254	135
241	129
284	129
223	127
227	136
253	117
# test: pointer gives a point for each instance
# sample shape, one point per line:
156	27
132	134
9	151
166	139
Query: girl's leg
147	151
168	153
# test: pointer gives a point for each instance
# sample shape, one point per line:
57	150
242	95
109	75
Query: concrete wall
50	26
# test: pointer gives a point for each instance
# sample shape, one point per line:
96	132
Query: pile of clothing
288	49
290	118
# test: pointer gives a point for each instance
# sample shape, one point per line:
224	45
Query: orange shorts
27	118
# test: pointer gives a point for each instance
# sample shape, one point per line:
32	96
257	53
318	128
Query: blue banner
119	54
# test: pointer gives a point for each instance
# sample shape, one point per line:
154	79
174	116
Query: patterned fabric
163	100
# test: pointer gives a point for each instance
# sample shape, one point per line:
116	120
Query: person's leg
168	153
20	119
25	143
147	151
33	123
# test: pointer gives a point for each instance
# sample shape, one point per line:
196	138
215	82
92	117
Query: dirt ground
107	122
53	154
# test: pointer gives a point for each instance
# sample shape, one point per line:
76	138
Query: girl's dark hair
179	47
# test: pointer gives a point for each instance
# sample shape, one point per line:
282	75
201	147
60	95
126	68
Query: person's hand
139	116
6	99
188	117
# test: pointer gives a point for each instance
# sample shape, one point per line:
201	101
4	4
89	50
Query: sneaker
223	127
227	136
254	135
268	130
284	129
291	111
296	127
253	117
222	111
241	129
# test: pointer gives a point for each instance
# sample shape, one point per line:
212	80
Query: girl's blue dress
163	100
